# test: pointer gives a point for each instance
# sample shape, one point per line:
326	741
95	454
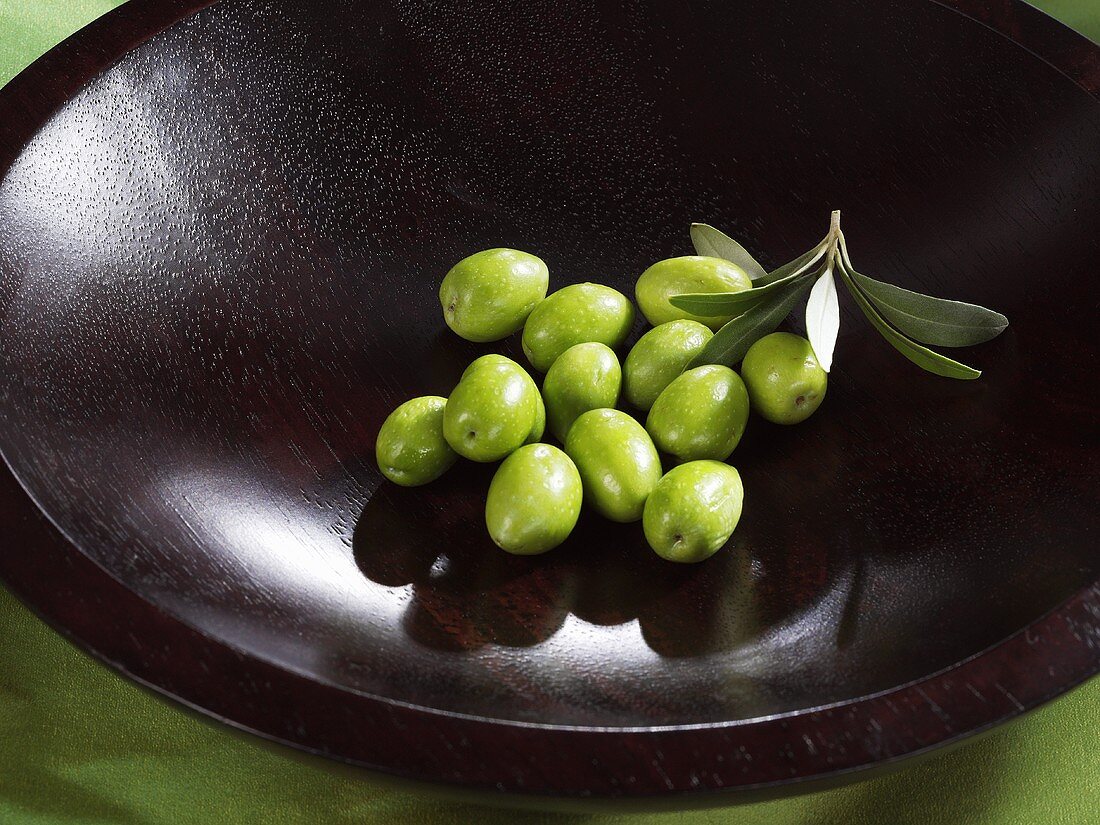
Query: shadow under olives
467	593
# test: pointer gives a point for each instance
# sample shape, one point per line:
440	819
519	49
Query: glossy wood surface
218	262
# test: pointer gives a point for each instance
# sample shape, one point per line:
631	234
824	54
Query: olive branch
907	320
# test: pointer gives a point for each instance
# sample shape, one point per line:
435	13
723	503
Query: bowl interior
218	274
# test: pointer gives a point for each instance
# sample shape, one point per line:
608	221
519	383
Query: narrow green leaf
923	357
932	320
717	244
732	341
728	303
720	303
733	303
928	319
799	264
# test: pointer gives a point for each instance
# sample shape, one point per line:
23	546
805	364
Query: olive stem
833	239
831	242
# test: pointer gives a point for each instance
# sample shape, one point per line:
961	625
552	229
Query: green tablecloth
80	744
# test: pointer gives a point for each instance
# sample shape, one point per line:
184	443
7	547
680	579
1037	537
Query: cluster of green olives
695	416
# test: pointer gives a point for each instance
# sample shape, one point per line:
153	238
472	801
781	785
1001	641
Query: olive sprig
907	320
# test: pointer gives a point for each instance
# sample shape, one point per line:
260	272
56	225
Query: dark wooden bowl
221	233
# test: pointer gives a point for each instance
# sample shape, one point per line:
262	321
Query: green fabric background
78	744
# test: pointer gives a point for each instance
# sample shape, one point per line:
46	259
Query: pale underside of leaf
823	318
717	244
923	357
925	318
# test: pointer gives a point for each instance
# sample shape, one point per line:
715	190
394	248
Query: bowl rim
135	637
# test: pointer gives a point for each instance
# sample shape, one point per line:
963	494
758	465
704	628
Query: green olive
410	447
693	510
534	500
658	357
488	295
785	381
618	463
584	377
573	315
701	414
492	411
677	276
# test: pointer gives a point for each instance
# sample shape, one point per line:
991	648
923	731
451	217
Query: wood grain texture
1045	37
219	246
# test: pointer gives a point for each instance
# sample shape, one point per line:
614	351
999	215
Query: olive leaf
726	303
923	357
925	318
799	264
906	319
823	317
711	304
732	341
717	244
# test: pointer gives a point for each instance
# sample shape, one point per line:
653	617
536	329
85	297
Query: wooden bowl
222	228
